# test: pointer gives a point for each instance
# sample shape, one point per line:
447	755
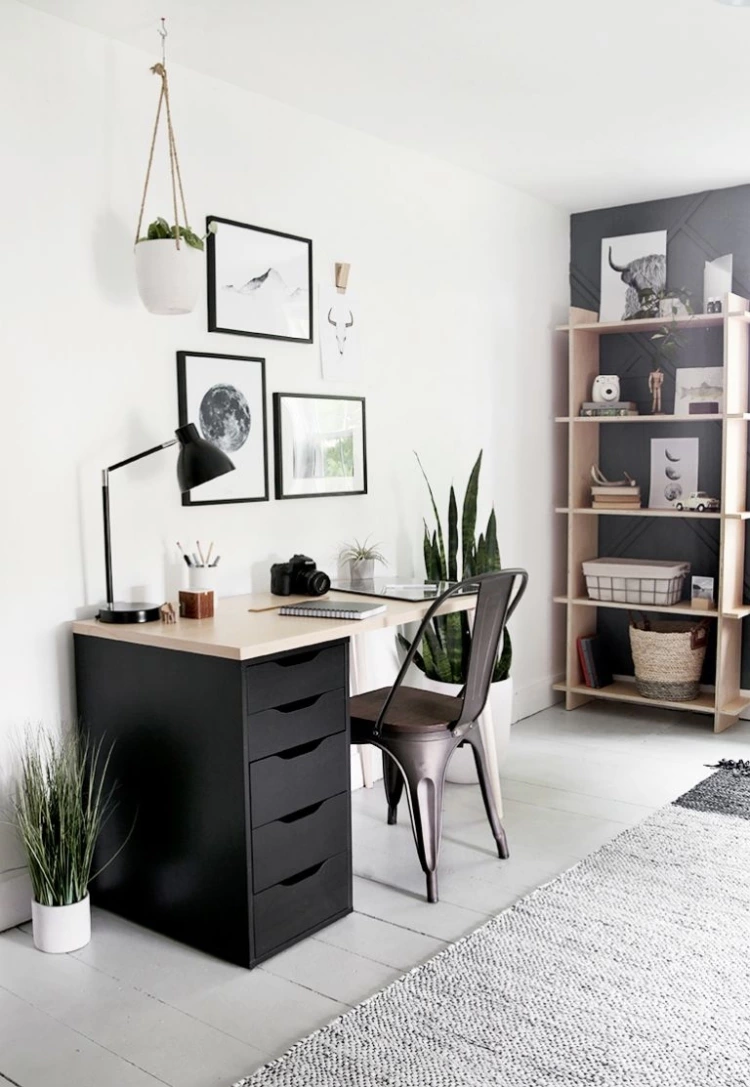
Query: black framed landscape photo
225	396
259	282
320	445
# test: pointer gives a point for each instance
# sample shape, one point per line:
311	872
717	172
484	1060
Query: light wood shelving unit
727	700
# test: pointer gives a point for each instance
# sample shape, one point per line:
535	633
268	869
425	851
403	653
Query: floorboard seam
7	1079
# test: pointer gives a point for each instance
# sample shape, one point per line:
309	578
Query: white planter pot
498	715
362	569
169	279
58	929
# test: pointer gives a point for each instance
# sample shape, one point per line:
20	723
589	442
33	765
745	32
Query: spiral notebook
333	609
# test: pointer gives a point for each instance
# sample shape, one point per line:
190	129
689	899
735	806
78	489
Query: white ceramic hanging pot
169	279
498	715
58	929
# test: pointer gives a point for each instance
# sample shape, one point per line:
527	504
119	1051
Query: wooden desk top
241	631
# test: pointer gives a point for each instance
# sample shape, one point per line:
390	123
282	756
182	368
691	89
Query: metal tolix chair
419	730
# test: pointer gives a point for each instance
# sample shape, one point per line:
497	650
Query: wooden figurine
655	382
167	613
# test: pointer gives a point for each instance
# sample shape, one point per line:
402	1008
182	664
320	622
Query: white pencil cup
204	577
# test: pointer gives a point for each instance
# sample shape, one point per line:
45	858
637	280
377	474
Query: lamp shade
199	461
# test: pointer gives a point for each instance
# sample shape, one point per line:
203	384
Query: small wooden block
342	276
196	604
700	604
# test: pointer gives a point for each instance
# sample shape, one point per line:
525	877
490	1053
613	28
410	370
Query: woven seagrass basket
668	656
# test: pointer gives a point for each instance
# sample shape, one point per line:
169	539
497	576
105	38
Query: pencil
208	554
198	545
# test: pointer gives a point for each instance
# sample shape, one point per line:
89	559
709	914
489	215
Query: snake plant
443	655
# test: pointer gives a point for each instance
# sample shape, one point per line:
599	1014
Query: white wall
460	280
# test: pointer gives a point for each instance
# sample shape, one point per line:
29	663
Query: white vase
58	929
169	279
498	714
362	569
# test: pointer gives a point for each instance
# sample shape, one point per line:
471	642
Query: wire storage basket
628	581
668	656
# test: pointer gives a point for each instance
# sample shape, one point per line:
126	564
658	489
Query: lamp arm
106	514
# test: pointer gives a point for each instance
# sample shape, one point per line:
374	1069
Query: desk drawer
294	676
289	726
300	903
299	841
297	778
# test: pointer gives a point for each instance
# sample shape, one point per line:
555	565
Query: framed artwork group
260	284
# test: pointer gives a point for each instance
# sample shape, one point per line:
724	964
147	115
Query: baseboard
536	697
15	899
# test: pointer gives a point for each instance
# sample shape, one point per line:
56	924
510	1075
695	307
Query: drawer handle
302	875
302	704
303	749
300	658
302	813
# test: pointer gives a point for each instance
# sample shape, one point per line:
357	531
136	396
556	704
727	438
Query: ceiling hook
162	32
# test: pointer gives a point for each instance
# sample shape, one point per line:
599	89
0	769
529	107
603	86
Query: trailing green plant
444	653
61	805
160	228
361	552
651	302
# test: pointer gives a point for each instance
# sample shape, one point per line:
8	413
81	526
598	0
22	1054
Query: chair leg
483	773
393	783
424	782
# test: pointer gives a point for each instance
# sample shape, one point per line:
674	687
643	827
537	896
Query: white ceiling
586	103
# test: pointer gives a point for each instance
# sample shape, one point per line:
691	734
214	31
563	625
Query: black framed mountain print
259	282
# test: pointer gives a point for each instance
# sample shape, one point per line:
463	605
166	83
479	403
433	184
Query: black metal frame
182	383
277	435
211	280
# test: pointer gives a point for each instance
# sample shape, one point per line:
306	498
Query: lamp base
129	613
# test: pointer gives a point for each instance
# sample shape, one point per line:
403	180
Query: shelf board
677	609
646	418
653	324
737	705
645	512
624	691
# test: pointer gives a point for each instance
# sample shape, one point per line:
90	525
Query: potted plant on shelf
60	807
169	267
442	659
361	558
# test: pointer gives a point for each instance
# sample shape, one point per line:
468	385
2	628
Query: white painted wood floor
134	1009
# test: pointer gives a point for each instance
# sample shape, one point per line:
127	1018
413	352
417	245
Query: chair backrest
496	602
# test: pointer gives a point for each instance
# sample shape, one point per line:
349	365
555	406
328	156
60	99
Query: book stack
593	666
615	498
616	407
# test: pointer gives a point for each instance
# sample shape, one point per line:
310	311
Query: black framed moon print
225	396
259	282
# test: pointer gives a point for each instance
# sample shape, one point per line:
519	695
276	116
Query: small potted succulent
169	267
60	807
361	558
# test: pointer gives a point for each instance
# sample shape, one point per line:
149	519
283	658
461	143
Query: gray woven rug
630	969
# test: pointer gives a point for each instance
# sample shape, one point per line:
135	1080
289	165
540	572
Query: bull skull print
342	327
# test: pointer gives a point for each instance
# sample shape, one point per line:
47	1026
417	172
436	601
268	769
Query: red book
587	678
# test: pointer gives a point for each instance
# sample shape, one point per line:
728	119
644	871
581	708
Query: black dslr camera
299	575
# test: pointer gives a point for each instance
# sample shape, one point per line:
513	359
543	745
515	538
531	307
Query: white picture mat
339	345
717	279
625	248
305	420
695	384
248	480
280	306
674	466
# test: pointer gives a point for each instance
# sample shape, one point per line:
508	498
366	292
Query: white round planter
498	714
169	279
58	929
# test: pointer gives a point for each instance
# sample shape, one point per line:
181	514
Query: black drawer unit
302	903
288	846
295	723
235	774
297	778
294	676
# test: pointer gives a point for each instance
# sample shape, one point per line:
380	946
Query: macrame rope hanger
174	163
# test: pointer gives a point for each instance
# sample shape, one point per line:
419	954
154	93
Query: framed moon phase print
225	396
259	282
320	445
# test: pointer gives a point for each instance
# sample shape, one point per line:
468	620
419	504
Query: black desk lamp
199	461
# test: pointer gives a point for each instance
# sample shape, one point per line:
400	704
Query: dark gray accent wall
699	227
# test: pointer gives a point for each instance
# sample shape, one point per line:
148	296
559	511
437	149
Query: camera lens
316	583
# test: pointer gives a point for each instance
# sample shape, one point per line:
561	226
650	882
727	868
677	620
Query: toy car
699	501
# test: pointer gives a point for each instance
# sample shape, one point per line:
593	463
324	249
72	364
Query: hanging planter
168	259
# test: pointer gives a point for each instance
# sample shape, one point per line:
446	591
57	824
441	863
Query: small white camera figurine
606	389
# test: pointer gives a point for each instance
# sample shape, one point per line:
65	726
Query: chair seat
412	710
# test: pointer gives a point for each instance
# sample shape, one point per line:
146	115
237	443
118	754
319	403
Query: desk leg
356	673
487	731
